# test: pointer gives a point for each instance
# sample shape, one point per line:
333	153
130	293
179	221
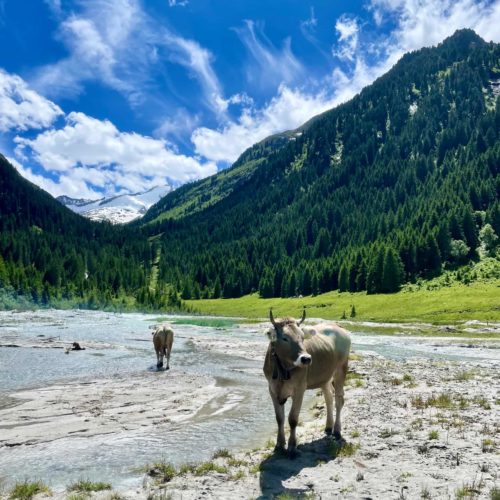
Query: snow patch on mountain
118	209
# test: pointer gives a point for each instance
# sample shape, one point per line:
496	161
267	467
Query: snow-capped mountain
118	209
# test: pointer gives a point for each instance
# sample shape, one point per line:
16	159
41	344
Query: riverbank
413	426
456	303
415	429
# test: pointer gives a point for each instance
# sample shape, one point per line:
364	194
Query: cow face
287	341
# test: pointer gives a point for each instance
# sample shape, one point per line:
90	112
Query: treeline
49	255
391	186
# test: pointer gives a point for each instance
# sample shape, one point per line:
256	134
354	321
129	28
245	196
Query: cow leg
338	384
293	420
168	359
159	357
279	410
328	393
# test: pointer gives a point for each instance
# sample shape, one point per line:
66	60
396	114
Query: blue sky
100	97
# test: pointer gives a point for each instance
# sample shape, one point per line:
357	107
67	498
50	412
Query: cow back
329	348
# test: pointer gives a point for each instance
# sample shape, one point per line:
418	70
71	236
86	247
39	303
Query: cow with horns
300	358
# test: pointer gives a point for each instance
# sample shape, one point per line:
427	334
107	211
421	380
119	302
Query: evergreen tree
393	272
343	279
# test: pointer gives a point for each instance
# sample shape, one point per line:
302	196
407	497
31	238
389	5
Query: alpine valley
398	185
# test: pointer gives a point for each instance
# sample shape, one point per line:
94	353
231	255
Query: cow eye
285	339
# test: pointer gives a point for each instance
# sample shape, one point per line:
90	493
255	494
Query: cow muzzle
303	360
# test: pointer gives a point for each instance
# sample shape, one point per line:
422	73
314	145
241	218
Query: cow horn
271	317
303	317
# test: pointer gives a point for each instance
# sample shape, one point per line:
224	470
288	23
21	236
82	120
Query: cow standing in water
300	358
163	338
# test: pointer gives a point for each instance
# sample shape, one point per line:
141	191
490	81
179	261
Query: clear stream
245	419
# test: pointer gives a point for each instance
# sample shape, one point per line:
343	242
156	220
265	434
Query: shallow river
241	419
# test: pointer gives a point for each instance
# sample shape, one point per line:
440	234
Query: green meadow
451	304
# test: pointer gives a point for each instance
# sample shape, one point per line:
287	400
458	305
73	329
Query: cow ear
309	332
271	334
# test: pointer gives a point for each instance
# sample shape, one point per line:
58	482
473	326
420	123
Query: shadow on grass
279	467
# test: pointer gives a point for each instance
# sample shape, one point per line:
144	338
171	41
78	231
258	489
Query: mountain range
393	186
117	209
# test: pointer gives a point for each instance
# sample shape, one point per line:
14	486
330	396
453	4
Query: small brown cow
163	338
300	358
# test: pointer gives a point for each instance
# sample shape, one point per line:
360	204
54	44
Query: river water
241	419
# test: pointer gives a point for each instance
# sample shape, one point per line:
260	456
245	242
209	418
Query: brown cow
163	338
300	358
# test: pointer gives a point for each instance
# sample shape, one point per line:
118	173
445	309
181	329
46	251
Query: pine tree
343	279
393	272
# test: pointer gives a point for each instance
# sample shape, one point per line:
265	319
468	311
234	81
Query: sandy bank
102	406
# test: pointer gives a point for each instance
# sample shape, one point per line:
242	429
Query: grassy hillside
441	300
198	196
477	301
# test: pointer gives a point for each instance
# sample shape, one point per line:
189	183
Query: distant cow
300	358
163	338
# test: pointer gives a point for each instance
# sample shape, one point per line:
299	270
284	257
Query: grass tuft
465	375
84	485
25	490
162	471
343	449
434	435
487	445
222	453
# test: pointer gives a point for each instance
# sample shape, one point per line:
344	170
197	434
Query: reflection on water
240	419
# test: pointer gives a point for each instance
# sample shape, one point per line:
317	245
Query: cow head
287	340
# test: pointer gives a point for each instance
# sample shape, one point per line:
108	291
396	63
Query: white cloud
22	108
422	23
348	30
65	185
108	42
54	6
289	109
308	27
177	3
275	66
117	43
96	154
197	60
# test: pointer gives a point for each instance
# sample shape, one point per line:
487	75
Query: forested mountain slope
50	254
382	189
199	195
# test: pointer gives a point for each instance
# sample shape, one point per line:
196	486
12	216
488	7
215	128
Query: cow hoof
294	453
167	368
338	436
328	431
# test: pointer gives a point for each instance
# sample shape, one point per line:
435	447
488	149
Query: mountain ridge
418	133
